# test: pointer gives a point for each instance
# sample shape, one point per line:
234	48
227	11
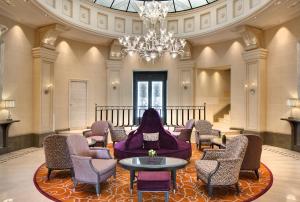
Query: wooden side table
5	124
295	132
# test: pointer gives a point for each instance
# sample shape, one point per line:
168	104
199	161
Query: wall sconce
8	104
115	84
48	88
252	88
292	103
185	84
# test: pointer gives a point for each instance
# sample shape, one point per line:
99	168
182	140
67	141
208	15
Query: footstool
153	181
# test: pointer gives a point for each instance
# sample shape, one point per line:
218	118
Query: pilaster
114	83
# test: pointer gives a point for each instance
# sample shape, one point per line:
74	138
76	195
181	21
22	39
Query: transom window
174	5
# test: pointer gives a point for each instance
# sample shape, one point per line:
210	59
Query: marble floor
17	170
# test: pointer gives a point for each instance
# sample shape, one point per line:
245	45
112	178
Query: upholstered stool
153	181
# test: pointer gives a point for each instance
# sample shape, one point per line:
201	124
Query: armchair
91	165
185	133
99	132
205	133
57	154
118	134
222	167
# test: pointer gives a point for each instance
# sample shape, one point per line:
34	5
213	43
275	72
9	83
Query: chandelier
154	43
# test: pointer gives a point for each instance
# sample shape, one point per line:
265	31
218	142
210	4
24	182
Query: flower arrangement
151	153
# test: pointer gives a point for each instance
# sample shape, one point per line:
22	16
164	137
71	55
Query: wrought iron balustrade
128	116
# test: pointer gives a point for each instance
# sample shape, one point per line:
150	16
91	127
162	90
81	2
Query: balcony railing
129	116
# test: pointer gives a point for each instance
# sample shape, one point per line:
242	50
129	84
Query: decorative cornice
114	64
3	30
256	54
45	54
186	64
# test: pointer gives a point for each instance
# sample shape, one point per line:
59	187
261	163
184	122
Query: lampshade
6	104
292	102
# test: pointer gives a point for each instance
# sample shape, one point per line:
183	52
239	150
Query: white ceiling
26	13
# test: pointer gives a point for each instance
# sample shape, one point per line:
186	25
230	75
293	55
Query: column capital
114	64
48	35
255	54
45	54
252	36
3	30
186	64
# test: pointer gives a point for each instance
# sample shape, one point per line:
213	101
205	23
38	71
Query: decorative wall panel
137	27
222	14
84	15
238	8
67	8
102	21
173	26
120	25
51	3
189	24
205	21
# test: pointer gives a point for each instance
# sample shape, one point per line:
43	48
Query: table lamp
292	103
8	104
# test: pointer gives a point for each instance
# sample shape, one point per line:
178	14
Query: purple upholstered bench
153	181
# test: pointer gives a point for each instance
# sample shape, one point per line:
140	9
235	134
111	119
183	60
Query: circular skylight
174	5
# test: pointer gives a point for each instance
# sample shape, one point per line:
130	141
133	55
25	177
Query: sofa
169	146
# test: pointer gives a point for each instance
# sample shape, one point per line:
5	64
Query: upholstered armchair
253	154
205	133
91	165
185	133
99	132
57	154
118	134
222	167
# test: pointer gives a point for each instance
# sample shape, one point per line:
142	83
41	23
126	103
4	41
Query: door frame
156	76
86	108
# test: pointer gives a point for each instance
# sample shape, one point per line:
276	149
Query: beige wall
78	61
17	78
213	88
226	54
281	42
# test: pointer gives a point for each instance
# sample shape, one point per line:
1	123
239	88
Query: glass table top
153	162
174	5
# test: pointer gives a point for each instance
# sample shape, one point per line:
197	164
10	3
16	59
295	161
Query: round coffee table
152	164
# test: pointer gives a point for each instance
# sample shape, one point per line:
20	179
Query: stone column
255	89
186	82
44	57
3	30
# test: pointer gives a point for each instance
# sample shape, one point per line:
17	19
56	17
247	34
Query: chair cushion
153	181
205	168
206	137
103	166
98	138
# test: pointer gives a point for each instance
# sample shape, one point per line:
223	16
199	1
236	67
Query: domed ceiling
174	5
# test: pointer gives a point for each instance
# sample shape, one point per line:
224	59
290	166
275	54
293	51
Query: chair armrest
178	128
100	153
213	154
216	132
87	133
83	168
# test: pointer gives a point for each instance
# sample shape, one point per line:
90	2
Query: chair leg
257	174
113	144
167	196
49	173
72	172
140	196
75	183
210	190
97	186
237	187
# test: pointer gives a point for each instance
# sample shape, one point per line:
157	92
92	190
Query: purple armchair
151	123
98	132
91	165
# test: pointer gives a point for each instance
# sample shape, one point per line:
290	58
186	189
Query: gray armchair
205	133
185	133
57	154
222	167
91	165
99	132
118	134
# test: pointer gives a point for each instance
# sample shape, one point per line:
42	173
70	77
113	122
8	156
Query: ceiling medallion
157	40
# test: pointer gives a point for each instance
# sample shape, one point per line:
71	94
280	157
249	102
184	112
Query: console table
5	124
295	132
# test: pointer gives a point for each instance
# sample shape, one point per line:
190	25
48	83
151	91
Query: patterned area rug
60	186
